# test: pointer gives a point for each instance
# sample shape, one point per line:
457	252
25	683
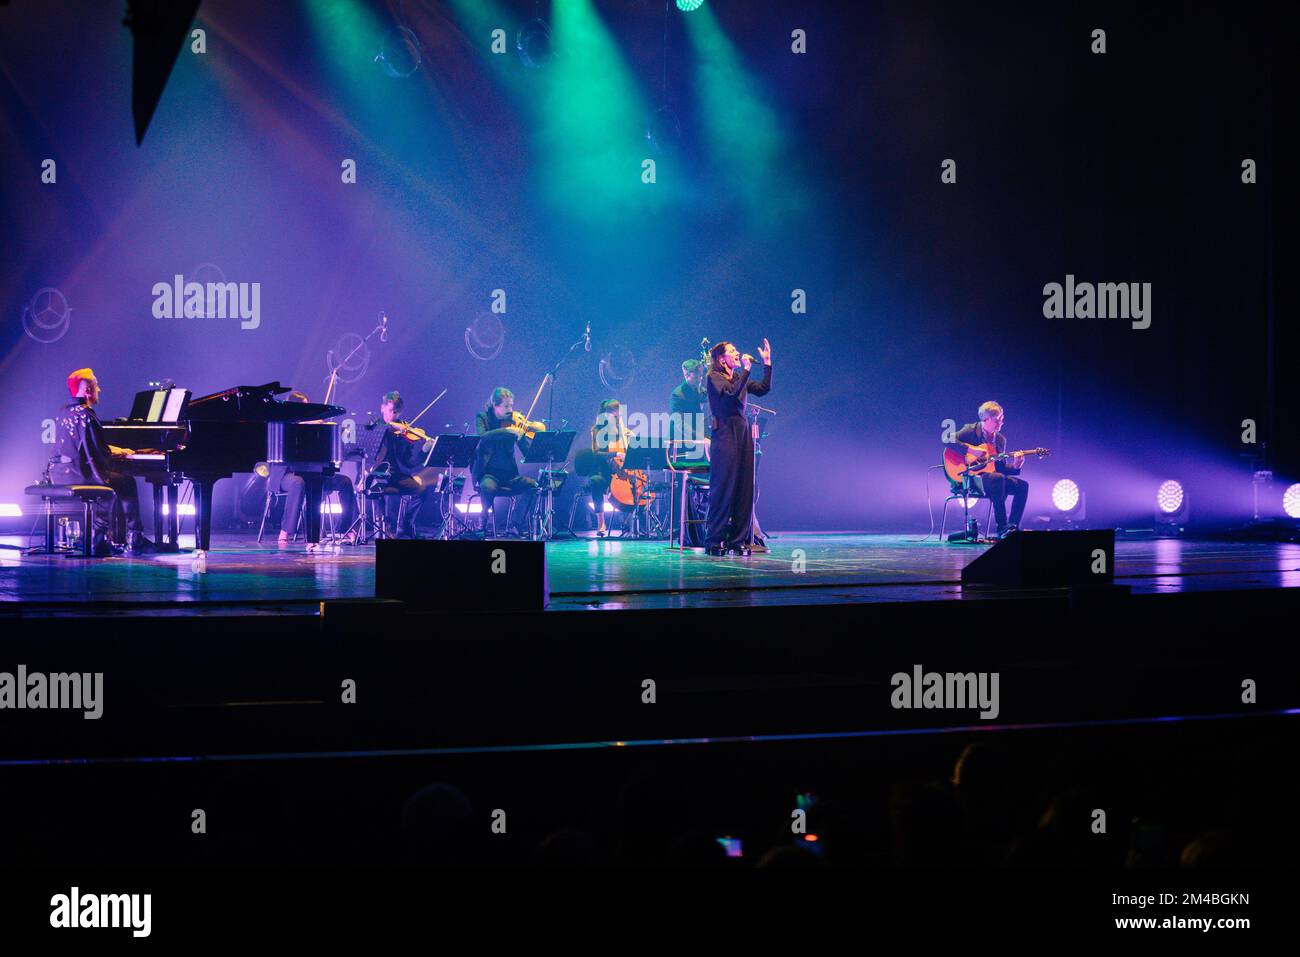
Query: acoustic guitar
956	465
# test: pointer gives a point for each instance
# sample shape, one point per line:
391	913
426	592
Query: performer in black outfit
1005	479
295	489
81	456
399	462
731	484
496	471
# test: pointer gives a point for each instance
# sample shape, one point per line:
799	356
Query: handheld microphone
383	327
586	336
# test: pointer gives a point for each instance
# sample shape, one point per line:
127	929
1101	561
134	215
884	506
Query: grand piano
204	440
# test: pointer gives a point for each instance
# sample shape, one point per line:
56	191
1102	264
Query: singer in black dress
731	453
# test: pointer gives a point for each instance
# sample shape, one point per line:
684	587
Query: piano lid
257	403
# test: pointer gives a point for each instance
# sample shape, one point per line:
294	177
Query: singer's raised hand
766	352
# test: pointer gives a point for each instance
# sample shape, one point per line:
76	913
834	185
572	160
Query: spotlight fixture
686	6
1172	508
1069	501
1291	501
1170	497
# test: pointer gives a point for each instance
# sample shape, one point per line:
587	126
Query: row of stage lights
1172	503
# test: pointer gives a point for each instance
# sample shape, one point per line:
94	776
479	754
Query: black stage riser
431	575
1046	560
256	684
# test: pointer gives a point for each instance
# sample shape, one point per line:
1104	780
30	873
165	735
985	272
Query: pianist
295	489
81	456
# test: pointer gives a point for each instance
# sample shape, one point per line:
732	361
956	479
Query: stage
604	574
248	656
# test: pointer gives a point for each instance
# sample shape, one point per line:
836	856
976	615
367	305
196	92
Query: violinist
496	472
400	462
609	440
295	489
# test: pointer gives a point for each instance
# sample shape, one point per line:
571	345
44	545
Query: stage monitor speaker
462	575
1046	560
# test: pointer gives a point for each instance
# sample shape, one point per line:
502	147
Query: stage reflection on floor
609	574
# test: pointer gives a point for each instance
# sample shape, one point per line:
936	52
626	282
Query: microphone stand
334	372
755	423
550	401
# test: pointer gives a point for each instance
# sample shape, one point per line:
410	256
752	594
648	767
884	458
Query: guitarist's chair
959	493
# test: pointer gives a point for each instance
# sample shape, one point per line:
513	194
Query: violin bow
427	407
537	396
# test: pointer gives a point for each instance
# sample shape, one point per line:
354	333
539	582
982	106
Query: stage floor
801	569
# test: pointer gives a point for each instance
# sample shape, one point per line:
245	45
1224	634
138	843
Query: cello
628	487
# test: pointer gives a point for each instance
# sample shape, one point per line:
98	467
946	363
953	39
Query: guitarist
1004	480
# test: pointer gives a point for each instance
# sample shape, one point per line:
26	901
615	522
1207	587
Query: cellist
609	441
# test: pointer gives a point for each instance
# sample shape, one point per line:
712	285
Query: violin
520	421
414	433
407	430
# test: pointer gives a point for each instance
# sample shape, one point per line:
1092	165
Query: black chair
88	495
957	493
685	532
483	523
327	523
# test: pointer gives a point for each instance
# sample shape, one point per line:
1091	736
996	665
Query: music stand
368	440
643	458
450	452
547	448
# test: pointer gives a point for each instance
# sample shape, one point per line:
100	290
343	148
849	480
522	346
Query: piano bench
88	495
